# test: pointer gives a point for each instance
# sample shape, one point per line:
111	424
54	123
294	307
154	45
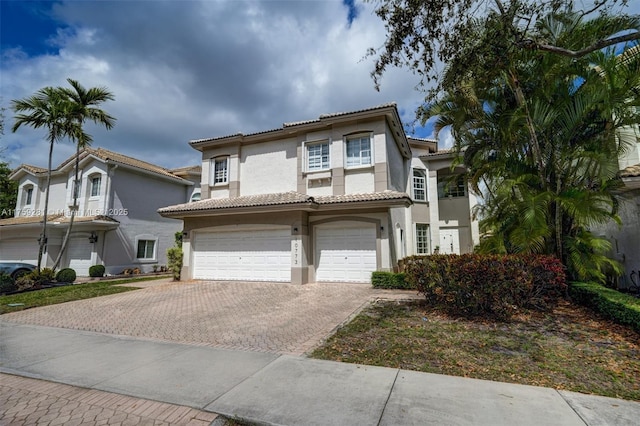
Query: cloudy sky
183	70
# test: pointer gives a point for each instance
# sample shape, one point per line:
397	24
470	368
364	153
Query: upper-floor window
419	185
422	238
317	156
28	195
452	186
95	186
358	151
195	196
220	171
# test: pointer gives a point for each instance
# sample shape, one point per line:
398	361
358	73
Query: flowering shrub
496	285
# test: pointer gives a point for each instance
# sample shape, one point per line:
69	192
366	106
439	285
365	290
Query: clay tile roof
295	123
59	218
30	168
107	155
244	201
631	171
284	198
187	170
353	198
25	220
81	219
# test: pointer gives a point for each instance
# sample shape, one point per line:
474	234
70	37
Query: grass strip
55	295
571	348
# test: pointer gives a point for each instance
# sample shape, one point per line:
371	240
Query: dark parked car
16	269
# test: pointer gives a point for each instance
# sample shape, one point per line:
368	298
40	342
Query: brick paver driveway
269	317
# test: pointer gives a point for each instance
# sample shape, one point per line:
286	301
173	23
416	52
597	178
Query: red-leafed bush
495	285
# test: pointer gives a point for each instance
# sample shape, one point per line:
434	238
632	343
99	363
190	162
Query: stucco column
434	206
300	251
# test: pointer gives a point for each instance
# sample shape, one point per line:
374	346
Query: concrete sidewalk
268	388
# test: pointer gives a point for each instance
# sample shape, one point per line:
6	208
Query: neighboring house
625	238
330	199
116	224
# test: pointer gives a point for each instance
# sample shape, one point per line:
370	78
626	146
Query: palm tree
541	135
83	107
49	109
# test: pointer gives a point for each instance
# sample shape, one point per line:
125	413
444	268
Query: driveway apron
257	316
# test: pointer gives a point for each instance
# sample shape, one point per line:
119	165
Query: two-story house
116	224
330	199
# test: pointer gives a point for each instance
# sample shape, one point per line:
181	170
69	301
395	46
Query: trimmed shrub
495	285
7	285
174	256
96	271
384	279
66	275
619	307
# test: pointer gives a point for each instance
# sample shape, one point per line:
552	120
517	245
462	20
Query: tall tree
425	35
541	134
48	109
8	192
83	106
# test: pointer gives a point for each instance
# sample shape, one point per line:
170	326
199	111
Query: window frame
28	197
414	186
93	186
146	240
195	193
307	157
450	188
213	178
423	238
358	137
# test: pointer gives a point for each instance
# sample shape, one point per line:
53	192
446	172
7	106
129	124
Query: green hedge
96	271
494	285
382	279
619	307
66	275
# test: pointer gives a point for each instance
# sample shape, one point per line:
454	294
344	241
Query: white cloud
187	70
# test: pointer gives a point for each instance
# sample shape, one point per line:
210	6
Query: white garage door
346	253
79	255
263	255
20	250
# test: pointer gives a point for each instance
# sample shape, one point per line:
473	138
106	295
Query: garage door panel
257	255
19	250
345	254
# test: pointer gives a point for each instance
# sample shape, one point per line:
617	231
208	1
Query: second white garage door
263	255
19	250
79	255
345	253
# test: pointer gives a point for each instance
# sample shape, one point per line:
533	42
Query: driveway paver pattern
25	401
257	316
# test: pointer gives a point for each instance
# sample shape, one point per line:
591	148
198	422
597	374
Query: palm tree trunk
65	242
43	235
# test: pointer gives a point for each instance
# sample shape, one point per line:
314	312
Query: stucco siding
397	167
268	167
136	199
359	181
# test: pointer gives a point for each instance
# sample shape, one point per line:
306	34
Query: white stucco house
116	224
625	238
329	199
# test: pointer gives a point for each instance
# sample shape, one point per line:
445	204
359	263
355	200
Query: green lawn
570	348
55	295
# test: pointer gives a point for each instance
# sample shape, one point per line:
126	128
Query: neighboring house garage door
263	255
20	250
79	255
345	253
